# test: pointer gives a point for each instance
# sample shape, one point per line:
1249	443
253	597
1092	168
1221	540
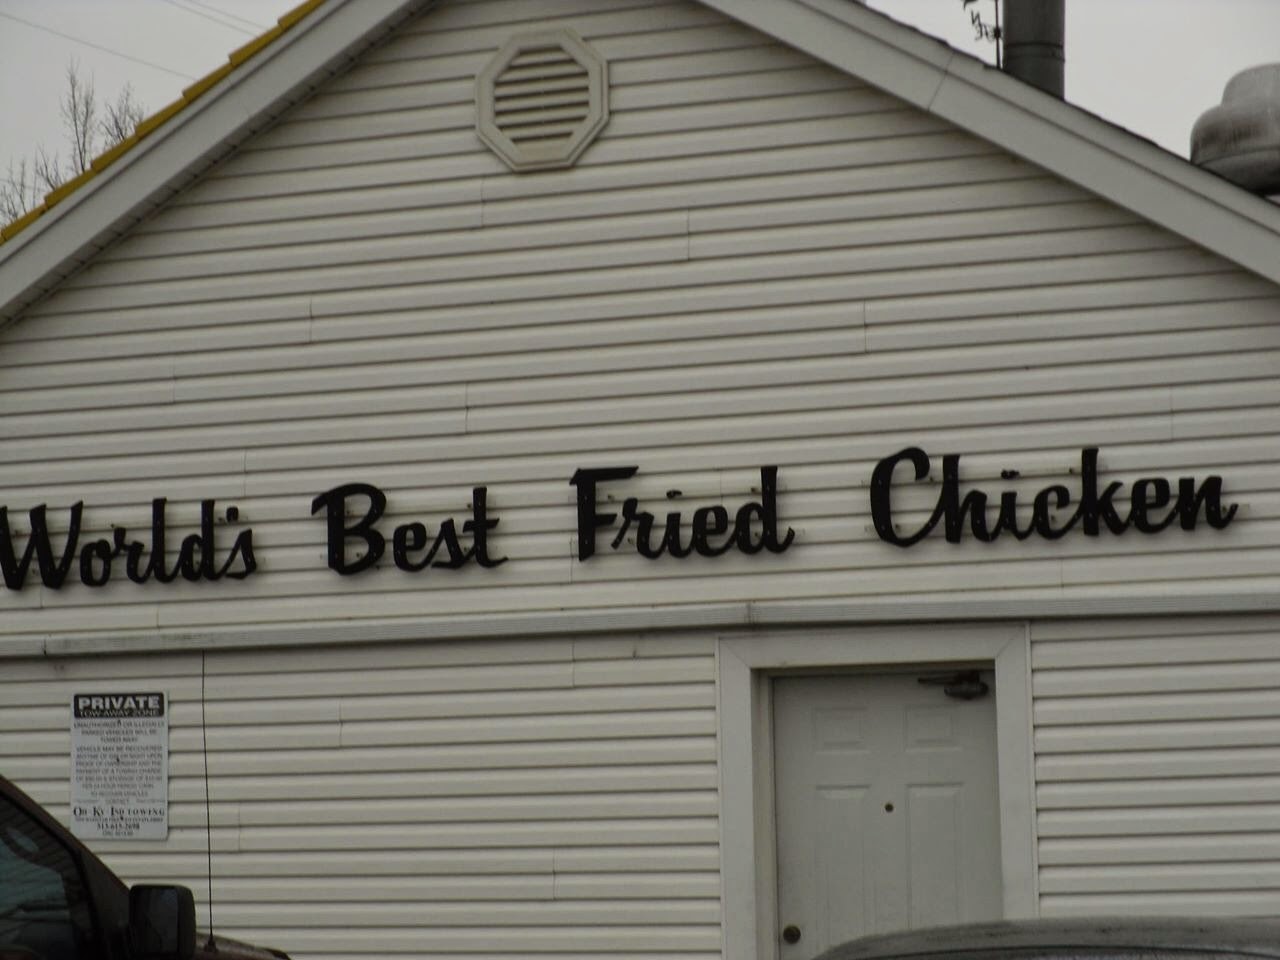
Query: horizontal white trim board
426	629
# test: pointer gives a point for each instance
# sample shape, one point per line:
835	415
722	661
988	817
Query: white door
887	808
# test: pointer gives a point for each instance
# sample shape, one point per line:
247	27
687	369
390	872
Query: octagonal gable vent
542	100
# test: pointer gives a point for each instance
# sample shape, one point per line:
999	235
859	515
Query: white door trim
744	664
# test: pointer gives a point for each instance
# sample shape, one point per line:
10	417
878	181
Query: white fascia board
1065	140
1177	600
248	99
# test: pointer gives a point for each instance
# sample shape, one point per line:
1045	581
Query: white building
804	240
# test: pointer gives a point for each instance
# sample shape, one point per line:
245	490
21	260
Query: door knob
791	933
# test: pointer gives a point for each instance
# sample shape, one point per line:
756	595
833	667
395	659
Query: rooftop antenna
987	29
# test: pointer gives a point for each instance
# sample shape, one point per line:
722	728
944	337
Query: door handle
966	685
791	933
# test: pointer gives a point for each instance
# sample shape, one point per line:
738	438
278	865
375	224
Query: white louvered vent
542	97
542	100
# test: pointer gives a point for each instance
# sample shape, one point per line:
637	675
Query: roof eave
1065	140
246	100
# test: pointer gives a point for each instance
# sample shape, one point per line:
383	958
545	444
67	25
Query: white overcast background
1152	66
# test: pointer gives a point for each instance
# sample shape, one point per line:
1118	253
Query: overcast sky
156	46
1150	65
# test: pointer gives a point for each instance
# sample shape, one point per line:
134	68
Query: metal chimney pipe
1034	33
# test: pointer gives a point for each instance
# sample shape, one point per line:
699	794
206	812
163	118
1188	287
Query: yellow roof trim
205	82
290	17
104	160
242	54
152	123
21	223
57	195
145	127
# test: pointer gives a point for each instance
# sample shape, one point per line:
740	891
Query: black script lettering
52	572
1042	521
97	557
951	508
707	521
881	503
1149	494
954	509
198	551
412	537
974	504
335	505
631	512
188	565
408	540
645	523
1008	518
1094	507
102	552
671	535
766	512
1094	511
589	520
155	567
241	548
479	526
710	522
1208	495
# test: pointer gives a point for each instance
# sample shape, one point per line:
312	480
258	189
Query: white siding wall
761	261
498	798
1158	765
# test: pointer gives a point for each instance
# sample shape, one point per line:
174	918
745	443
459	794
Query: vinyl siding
760	261
1157	749
502	798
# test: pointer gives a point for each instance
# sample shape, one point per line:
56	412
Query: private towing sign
359	538
119	766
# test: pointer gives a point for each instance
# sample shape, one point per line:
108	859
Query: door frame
746	664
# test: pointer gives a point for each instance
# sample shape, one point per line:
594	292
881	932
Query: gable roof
149	124
322	36
169	150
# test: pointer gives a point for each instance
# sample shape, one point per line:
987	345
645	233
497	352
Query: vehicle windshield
44	910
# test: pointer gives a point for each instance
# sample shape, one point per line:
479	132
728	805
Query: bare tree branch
87	133
121	117
79	109
17	191
46	171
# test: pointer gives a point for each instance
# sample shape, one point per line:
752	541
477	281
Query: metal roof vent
1240	138
542	100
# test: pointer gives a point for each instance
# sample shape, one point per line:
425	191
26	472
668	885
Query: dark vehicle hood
1086	936
220	948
